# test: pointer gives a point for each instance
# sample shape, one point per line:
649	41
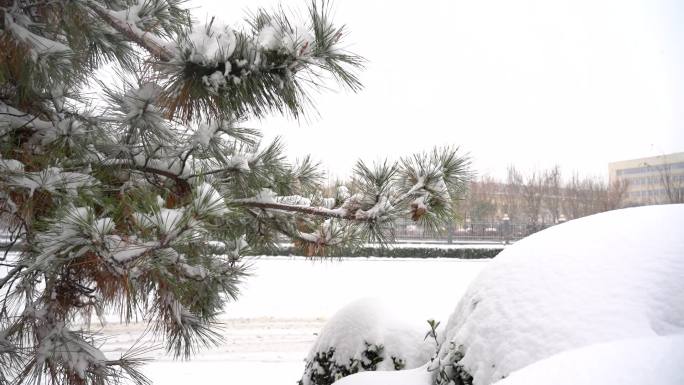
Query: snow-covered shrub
597	300
607	277
324	369
365	336
655	360
400	252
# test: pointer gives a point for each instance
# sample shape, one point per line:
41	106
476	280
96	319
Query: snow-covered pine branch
268	65
423	187
123	204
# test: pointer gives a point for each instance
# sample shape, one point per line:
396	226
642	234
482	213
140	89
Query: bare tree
532	194
673	185
482	200
615	195
512	193
553	192
571	198
590	195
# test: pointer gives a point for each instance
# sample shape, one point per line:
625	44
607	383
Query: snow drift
656	360
605	277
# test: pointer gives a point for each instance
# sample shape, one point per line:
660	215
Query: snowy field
286	301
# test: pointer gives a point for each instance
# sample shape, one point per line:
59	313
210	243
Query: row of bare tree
541	197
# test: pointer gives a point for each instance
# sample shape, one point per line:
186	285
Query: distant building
649	178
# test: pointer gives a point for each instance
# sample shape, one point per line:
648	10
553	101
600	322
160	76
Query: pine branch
16	120
133	33
182	183
11	274
94	229
317	211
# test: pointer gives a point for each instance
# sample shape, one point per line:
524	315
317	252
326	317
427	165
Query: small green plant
433	333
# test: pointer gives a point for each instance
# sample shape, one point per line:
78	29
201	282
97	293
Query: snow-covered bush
597	300
401	252
365	336
610	276
655	360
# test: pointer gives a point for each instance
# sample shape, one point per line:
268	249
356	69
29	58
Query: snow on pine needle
145	197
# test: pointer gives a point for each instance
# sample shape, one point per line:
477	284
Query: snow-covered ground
658	361
284	304
255	351
295	287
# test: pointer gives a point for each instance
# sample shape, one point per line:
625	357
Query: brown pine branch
132	33
312	248
317	211
11	274
147	169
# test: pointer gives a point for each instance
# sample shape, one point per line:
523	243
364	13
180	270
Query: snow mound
361	332
418	376
656	360
611	276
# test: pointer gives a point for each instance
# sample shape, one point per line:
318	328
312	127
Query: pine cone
417	211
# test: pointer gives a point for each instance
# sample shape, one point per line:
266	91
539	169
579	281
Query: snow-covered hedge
606	277
655	360
365	336
405	252
597	300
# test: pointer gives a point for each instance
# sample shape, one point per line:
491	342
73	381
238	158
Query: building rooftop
651	160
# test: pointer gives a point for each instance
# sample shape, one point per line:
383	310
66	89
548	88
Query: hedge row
405	252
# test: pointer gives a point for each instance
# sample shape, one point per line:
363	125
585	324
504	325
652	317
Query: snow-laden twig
155	47
311	210
11	273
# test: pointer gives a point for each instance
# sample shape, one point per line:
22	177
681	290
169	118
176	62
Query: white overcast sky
530	83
